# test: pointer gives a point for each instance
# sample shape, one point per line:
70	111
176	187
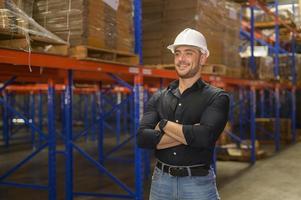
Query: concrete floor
274	178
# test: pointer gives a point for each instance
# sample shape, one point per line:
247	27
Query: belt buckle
176	171
169	171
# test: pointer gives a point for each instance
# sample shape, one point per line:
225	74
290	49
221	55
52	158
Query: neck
187	83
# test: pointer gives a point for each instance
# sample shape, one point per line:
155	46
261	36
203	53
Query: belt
201	170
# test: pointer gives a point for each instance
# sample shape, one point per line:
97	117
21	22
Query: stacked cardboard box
14	15
88	22
217	20
265	129
265	67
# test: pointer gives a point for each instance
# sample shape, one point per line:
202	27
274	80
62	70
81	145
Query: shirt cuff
150	139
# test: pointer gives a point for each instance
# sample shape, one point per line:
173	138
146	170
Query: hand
162	124
157	127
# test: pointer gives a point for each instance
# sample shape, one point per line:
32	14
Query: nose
180	57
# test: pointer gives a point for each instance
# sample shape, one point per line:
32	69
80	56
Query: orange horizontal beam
28	88
159	73
15	63
61	62
32	87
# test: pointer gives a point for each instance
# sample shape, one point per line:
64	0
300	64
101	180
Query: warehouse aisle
276	178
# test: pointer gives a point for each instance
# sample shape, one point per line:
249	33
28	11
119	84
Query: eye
189	53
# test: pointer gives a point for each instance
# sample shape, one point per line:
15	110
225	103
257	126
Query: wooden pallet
237	155
230	152
162	66
221	70
271	24
212	69
7	34
36	44
82	52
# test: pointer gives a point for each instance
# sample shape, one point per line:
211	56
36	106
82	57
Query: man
182	124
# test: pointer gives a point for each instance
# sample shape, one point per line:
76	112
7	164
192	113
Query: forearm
175	131
167	142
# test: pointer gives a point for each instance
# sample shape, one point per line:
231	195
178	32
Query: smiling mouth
182	66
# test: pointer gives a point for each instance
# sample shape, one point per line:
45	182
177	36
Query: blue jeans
167	187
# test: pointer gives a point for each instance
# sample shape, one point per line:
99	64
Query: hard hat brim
172	48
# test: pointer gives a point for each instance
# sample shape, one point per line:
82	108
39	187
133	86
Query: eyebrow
186	50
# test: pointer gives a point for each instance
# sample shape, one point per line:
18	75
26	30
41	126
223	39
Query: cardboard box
265	129
89	22
217	20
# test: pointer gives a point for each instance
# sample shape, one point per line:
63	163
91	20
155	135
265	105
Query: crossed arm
173	135
201	135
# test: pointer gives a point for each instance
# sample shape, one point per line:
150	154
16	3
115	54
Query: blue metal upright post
32	117
252	38
293	57
86	116
27	107
138	91
277	116
12	100
93	120
5	118
253	124
63	113
68	142
118	113
51	143
132	114
125	116
40	113
277	43
101	128
138	30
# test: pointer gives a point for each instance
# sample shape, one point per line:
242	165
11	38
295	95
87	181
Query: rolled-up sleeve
147	137
212	123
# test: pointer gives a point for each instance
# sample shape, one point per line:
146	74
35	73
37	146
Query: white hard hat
190	37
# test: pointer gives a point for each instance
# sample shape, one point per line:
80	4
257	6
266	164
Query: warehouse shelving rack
34	109
273	91
70	146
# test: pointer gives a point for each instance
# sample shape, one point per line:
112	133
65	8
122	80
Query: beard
190	73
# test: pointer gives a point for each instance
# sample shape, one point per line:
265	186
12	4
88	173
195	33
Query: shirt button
180	104
174	153
177	121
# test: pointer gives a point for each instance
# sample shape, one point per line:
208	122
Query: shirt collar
175	84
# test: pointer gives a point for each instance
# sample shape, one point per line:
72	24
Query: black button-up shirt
202	110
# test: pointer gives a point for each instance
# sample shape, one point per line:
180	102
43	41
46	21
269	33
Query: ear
203	59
